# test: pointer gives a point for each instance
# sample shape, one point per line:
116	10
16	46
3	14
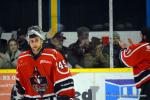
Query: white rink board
95	86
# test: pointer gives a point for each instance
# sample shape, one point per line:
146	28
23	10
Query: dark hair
12	40
146	32
32	36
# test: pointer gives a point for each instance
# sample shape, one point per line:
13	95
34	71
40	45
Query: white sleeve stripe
38	96
139	74
135	50
46	54
64	79
123	60
65	89
24	56
146	77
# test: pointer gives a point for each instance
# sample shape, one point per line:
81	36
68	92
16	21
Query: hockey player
42	74
137	56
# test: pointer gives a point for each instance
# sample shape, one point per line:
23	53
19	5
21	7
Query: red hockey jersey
138	57
43	75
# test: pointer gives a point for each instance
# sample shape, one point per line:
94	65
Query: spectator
2	60
21	39
56	42
95	58
116	50
3	42
101	57
11	56
3	48
81	47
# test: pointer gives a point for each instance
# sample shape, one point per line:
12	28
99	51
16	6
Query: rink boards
90	84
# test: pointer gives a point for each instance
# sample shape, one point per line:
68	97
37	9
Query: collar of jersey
36	56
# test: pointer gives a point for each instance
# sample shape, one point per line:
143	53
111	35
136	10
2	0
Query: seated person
56	42
80	48
11	56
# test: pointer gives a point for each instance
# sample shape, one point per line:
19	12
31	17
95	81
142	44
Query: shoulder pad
25	53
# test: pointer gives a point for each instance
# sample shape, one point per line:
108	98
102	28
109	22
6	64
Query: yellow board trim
102	70
7	71
92	70
54	15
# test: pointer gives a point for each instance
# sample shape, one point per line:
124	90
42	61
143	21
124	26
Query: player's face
116	40
35	43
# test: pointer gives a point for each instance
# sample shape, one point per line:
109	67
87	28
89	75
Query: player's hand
122	44
130	41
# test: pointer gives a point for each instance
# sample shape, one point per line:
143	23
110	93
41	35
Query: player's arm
132	55
63	82
19	81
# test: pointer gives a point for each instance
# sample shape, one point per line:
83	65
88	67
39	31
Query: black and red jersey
43	75
137	56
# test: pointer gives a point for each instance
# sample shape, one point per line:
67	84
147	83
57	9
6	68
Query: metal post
111	32
40	13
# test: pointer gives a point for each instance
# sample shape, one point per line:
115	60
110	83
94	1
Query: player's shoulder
24	54
139	45
50	51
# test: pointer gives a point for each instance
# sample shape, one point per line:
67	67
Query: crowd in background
81	54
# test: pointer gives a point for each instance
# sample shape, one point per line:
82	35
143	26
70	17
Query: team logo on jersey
45	61
38	82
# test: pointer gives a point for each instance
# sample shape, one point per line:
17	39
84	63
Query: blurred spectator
11	56
14	34
55	29
2	56
3	42
116	50
101	58
3	48
80	48
21	39
3	45
56	42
